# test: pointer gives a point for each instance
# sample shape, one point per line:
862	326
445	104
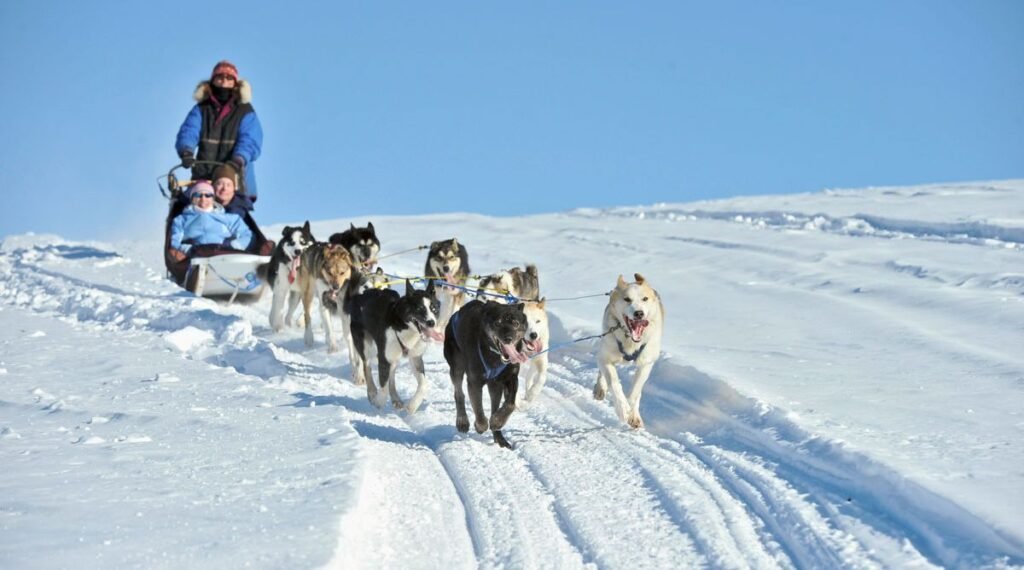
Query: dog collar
627	356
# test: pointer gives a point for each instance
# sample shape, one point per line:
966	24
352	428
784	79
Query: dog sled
214	271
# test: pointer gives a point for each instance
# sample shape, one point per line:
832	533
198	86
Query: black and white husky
448	261
392	328
282	273
362	243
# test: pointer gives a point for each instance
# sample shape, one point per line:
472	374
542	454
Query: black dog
394	328
485	342
362	243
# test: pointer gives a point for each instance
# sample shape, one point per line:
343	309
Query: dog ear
455	244
621	284
287	230
540	304
520	307
408	287
639	278
351	226
430	287
380	271
369	226
306	227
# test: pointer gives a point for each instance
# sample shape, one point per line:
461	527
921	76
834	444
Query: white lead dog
636	317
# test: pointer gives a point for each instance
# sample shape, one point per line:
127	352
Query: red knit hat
224	67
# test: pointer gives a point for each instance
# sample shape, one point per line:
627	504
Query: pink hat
203	186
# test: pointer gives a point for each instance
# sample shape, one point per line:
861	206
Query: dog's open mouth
636	327
533	346
429	334
512	354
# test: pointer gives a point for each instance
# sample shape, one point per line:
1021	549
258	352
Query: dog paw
332	348
462	424
634	421
359	381
523	404
398	404
598	392
376	399
501	441
480	426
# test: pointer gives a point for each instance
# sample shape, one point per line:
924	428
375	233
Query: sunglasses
204	195
224	77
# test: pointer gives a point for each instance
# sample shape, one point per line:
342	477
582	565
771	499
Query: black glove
187	160
237	162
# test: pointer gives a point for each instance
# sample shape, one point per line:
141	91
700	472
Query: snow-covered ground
842	385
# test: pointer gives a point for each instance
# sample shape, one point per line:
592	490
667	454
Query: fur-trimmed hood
242	87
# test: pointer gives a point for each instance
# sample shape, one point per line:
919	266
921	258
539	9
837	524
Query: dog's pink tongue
293	268
448	277
636	329
513	355
533	346
435	334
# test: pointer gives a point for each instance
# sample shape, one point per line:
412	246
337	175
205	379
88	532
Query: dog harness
627	356
405	351
489	373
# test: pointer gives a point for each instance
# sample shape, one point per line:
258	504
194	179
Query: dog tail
531	270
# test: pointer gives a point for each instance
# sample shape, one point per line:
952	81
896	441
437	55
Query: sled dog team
486	339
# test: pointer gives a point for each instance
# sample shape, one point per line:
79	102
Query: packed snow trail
268	438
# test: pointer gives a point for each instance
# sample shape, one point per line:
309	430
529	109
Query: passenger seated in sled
204	229
205	222
225	186
231	201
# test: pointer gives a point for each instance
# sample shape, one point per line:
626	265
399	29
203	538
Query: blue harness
627	356
489	373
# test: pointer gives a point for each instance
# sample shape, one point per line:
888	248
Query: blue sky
504	108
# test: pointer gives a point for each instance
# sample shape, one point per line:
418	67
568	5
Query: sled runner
214	270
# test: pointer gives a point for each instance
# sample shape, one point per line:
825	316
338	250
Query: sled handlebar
175	186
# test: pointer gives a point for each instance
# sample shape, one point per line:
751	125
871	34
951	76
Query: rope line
417	248
572	342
